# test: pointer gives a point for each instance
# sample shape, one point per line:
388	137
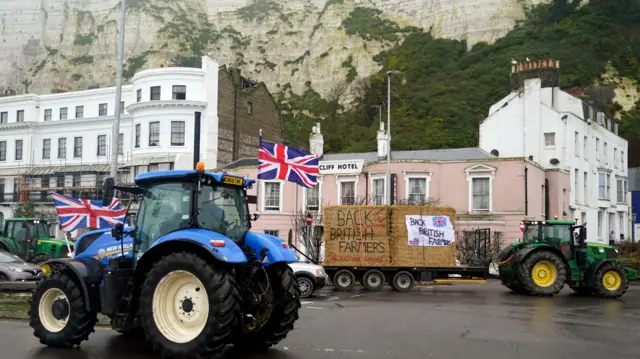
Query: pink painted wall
448	182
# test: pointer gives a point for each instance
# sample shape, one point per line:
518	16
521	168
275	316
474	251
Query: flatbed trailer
402	279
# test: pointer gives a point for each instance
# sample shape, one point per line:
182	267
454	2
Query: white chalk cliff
62	45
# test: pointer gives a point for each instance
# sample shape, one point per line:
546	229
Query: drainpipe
526	192
366	187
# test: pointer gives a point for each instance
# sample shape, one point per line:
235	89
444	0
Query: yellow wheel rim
544	274
611	280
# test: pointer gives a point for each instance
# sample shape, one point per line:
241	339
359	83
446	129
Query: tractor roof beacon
191	253
553	253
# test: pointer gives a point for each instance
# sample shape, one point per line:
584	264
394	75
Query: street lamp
116	115
389	186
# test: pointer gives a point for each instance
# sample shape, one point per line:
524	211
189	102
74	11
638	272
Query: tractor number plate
232	180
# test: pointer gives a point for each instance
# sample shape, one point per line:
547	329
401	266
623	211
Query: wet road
449	322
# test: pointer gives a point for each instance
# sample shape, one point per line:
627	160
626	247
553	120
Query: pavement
463	321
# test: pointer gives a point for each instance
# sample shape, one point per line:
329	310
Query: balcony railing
42	197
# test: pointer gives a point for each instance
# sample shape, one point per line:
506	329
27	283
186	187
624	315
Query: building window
550	139
621	189
121	144
604	185
576	142
481	193
137	144
122	107
272	196
179	92
64	113
155	93
417	191
3	150
18	150
77	147
154	133
615	157
102	145
46	149
102	109
153	167
62	147
597	149
312	198
347	193
4	117
585	142
378	196
576	181
20	116
47	114
622	160
79	111
600	220
46	181
272	232
585	187
605	154
139	95
177	133
249	107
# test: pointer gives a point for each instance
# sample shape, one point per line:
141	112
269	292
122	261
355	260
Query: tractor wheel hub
60	309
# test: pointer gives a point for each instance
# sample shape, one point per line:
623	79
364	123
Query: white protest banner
429	231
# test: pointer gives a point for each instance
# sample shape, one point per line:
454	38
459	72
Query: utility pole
116	108
389	185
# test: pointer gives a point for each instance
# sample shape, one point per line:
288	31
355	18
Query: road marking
313	308
303	303
334	298
357	295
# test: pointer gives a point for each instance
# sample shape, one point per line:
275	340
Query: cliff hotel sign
341	167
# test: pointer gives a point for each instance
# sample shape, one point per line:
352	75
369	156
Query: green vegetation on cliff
444	91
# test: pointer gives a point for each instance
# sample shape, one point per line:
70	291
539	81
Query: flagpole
258	172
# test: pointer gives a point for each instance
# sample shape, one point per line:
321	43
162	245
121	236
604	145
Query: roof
67	169
145	178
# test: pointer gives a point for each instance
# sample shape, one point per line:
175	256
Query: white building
61	142
563	133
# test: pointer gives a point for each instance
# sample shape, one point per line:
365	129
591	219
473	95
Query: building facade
61	142
485	190
562	133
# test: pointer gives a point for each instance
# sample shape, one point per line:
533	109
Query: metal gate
482	241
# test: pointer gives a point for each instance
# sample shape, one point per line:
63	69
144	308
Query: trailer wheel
344	280
543	273
403	281
190	308
610	282
58	313
373	280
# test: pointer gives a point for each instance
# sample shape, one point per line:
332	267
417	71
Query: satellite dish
554	161
495	152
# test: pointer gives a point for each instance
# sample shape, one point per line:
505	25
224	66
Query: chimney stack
316	141
382	141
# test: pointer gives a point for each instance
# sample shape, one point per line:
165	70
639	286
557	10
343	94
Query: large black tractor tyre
543	273
610	281
199	307
286	294
58	312
511	284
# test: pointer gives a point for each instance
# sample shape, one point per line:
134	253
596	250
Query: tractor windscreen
39	230
551	233
222	209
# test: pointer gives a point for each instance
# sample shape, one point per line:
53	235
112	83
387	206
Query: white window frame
480	171
263	199
347	178
304	193
576	143
417	175
553	137
378	176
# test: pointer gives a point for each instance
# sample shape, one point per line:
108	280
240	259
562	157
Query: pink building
487	192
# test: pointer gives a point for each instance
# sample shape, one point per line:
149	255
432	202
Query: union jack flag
439	221
77	213
285	163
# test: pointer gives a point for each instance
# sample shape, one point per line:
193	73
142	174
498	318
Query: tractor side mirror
254	217
107	192
252	199
117	231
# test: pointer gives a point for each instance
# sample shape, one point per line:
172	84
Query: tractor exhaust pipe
196	140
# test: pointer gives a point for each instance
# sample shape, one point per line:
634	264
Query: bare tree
473	249
311	236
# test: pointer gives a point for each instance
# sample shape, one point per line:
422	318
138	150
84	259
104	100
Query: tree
311	236
26	210
473	250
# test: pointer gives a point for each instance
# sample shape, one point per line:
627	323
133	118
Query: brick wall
238	127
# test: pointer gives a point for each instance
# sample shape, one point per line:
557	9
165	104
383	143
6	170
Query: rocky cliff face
62	45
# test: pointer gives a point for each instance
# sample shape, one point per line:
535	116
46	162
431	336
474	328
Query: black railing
45	196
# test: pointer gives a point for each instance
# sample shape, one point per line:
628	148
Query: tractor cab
32	239
556	233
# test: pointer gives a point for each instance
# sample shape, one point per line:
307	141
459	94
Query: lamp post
116	108
389	186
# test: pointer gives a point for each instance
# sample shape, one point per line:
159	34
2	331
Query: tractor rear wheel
286	303
58	312
610	281
510	283
543	273
196	307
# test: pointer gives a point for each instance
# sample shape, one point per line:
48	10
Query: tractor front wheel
610	281
286	303
543	274
189	308
58	313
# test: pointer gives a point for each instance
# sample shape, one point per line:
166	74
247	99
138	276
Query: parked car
15	269
311	277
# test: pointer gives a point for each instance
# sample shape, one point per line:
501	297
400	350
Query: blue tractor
189	275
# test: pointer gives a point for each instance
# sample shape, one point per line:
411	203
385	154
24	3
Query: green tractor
31	240
553	253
